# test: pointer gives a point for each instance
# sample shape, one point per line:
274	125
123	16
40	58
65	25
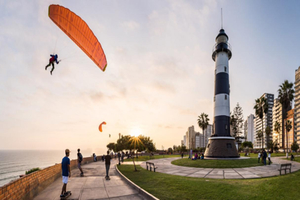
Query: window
226	127
225	97
225	69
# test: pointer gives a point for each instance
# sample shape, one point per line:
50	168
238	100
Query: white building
250	128
261	125
207	133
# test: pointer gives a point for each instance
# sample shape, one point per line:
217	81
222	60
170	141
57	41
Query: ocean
14	163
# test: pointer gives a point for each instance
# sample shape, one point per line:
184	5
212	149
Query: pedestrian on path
66	172
269	158
258	157
107	165
79	160
292	157
123	154
119	157
181	154
264	156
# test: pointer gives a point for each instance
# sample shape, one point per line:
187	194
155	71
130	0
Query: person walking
119	157
79	160
66	173
258	157
107	165
269	158
122	158
181	154
264	156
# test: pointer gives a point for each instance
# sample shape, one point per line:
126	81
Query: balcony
221	47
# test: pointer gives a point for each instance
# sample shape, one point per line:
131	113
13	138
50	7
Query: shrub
32	170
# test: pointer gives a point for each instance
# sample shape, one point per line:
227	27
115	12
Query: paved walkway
165	166
93	185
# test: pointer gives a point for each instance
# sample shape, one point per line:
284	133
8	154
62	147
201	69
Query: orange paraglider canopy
79	32
100	126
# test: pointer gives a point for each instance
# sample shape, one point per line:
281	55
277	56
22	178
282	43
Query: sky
160	73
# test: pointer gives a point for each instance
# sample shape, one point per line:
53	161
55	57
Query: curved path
93	185
164	166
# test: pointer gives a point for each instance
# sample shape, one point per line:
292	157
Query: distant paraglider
51	62
79	32
100	126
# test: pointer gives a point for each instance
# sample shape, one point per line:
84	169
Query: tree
268	133
111	146
247	144
259	135
277	128
170	150
288	127
236	120
270	145
203	123
183	148
275	147
261	108
295	146
286	96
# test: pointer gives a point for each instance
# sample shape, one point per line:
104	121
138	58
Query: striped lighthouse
221	144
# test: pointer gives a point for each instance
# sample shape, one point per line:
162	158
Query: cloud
130	25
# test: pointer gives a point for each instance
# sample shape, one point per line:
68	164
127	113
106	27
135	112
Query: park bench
150	165
286	166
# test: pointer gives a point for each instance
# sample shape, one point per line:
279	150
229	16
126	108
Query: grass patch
251	162
165	186
32	170
145	158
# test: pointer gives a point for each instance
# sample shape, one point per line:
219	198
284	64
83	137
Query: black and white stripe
222	98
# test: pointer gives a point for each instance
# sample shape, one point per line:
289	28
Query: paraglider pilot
51	62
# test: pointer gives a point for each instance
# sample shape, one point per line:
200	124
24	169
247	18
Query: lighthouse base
221	147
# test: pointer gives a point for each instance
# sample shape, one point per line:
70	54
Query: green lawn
165	186
251	162
145	158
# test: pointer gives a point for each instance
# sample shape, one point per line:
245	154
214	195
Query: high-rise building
261	124
207	133
197	138
297	104
190	138
289	135
249	128
278	137
184	140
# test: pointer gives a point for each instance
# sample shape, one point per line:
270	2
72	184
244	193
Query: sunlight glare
135	132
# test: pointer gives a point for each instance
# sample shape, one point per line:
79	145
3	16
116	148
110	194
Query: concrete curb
136	187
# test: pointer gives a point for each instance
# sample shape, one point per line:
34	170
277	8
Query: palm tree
261	108
288	127
203	123
268	133
259	135
277	127
286	96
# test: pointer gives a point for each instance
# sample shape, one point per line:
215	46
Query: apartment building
261	124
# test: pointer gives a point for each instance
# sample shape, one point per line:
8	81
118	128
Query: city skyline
160	73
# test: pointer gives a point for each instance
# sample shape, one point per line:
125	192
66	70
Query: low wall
30	185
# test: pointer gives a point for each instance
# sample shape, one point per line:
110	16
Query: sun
135	132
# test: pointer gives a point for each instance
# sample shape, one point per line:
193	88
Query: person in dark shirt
51	62
79	160
66	173
107	164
